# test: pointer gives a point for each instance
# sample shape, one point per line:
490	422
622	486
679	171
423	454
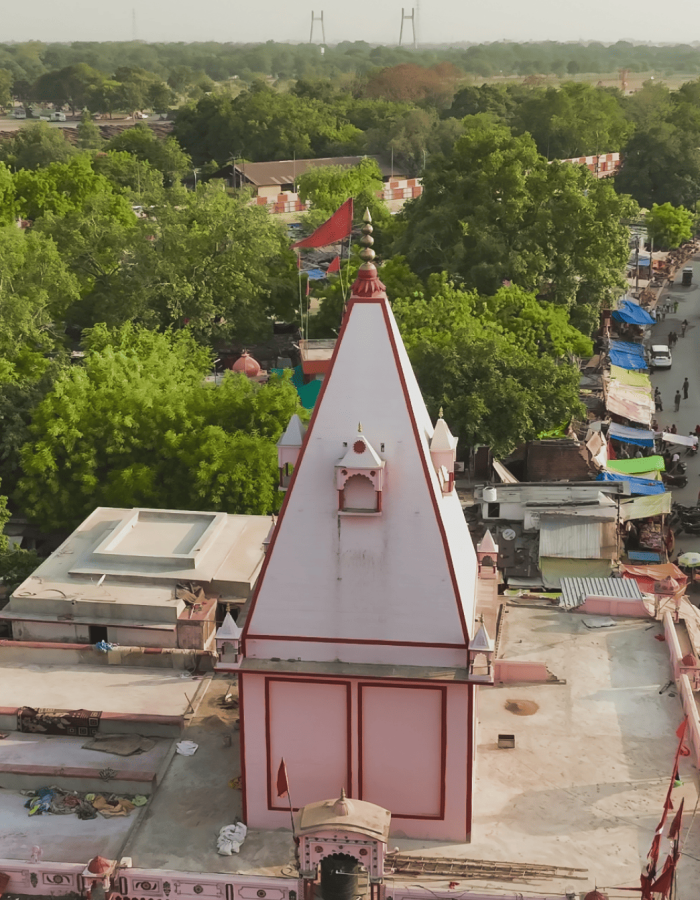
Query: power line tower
315	18
409	17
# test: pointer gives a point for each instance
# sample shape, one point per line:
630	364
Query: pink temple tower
355	663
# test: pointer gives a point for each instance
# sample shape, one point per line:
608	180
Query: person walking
677	401
684	325
658	401
686	385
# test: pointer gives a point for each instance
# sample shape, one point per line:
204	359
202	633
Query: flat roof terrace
585	783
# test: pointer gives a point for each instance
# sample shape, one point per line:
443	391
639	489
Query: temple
355	651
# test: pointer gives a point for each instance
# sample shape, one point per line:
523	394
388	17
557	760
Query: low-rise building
141	577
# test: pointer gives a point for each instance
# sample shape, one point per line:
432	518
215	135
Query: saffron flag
334	266
282	779
335	229
675	828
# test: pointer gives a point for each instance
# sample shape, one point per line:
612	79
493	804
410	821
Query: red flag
282	780
335	229
334	266
675	828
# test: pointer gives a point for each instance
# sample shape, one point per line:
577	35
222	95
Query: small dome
595	895
247	365
99	865
342	806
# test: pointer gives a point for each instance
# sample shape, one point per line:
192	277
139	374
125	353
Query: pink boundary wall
614	606
514	671
687	697
56	879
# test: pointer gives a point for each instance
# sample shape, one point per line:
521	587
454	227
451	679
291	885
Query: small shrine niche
359	478
228	639
288	450
481	650
443	452
487	556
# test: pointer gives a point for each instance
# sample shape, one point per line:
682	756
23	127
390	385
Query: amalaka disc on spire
367	285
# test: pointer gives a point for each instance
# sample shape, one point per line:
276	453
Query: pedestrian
673	429
684	325
675	306
686	385
677	401
658	401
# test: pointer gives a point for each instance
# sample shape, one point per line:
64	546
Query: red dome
247	365
99	865
595	895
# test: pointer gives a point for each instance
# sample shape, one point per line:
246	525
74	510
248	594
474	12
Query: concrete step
76	778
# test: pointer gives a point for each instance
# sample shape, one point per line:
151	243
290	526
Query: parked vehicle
57	116
687	276
660	357
19	112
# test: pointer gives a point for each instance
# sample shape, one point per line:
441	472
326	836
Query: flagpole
291	811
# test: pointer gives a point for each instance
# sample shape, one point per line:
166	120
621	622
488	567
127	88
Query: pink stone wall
512	671
404	746
614	606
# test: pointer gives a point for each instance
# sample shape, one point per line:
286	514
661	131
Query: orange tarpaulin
647	576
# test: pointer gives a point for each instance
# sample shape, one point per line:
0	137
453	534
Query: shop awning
553	570
570	538
636	466
644	507
637	485
686	440
628	435
627	355
633	379
632	314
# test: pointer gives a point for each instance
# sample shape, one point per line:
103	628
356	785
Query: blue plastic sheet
628	435
626	355
638	486
633	314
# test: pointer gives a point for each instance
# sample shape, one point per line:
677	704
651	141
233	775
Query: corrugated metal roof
286	171
570	538
575	590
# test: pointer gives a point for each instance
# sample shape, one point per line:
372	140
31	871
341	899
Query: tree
136	426
164	155
35	146
416	83
36	288
6	80
327	187
89	137
72	85
412	136
669	226
495	388
493	210
661	164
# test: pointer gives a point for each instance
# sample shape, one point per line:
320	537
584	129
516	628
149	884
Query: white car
660	357
57	116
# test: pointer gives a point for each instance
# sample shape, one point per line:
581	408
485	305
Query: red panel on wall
403	744
307	723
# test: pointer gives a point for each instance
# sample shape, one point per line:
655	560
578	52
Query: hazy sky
674	21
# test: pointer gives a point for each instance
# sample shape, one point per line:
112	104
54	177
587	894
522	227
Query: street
685	363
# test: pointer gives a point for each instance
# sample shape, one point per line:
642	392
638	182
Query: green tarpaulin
637	466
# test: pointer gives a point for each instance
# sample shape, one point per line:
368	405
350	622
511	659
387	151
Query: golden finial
367	253
440	413
359	427
343	795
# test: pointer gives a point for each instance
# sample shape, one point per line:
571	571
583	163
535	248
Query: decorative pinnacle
359	427
367	254
440	415
343	795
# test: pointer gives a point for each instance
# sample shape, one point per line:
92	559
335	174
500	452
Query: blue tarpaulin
638	486
633	314
315	274
626	355
629	435
308	393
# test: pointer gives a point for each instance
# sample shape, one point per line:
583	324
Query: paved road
686	362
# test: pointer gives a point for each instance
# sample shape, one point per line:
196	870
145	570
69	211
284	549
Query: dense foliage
136	426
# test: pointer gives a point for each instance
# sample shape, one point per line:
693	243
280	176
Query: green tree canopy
164	155
34	146
136	426
492	363
327	187
494	210
669	226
